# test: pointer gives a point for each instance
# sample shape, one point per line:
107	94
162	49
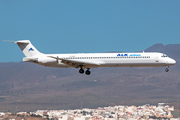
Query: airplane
94	60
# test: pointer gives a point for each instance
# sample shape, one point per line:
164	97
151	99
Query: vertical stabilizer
27	48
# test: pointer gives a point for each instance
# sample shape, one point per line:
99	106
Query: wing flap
75	63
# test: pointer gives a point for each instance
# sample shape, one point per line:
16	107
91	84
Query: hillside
28	87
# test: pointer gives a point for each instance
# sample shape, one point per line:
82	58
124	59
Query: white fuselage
93	60
148	59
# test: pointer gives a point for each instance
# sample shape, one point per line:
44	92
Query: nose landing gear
167	69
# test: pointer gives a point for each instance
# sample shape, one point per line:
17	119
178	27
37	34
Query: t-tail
27	48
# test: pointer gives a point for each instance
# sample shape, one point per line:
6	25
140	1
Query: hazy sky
87	26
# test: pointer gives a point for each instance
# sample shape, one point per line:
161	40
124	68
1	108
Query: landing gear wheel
81	71
88	72
167	70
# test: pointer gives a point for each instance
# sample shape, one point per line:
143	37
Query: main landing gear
87	71
167	69
81	71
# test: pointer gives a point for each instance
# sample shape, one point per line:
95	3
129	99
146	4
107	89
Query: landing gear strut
167	69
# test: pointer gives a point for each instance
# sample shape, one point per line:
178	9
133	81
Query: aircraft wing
75	63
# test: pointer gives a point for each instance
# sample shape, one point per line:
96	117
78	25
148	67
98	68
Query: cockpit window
164	55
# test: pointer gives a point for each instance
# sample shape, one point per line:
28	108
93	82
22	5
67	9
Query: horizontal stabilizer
21	41
9	41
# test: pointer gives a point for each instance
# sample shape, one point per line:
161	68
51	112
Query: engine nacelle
40	60
46	60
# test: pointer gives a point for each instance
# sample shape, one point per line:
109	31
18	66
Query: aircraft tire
81	71
167	70
88	72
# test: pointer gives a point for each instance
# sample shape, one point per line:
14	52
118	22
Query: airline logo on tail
31	49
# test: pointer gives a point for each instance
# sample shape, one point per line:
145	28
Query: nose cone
171	62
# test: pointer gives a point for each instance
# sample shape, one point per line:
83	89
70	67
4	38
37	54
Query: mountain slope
28	87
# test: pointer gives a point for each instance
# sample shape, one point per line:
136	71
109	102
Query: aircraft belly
55	64
111	63
132	63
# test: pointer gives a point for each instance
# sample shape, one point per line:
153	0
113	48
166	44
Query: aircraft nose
171	61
